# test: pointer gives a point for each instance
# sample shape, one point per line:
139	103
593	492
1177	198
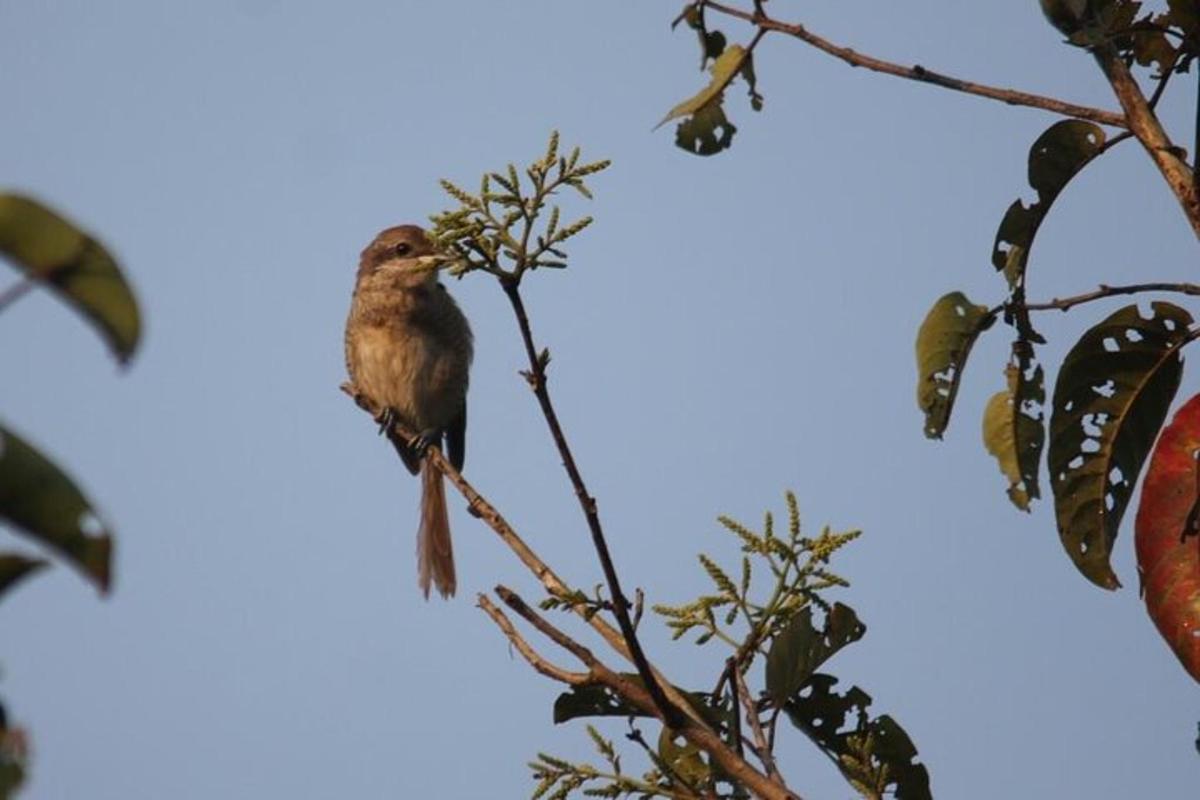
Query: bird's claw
386	419
425	440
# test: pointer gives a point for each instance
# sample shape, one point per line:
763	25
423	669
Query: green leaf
51	250
596	700
832	720
1111	398
14	567
684	758
799	649
707	131
1013	427
38	498
943	343
724	70
1058	154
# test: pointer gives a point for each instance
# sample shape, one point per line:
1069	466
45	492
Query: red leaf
1168	546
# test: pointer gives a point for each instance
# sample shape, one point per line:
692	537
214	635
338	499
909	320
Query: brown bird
408	351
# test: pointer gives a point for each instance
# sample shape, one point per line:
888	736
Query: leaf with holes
1013	428
943	343
52	251
14	568
1167	537
1111	398
1058	154
38	498
841	725
799	649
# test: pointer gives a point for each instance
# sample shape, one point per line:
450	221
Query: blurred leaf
1013	428
799	649
1167	539
42	501
14	757
834	720
51	250
943	344
14	567
1112	395
684	758
1058	154
707	131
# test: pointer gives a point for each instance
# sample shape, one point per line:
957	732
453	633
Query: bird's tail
435	555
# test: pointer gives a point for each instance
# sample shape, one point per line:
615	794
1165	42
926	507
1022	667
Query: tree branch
551	582
1062	304
1145	126
527	652
921	74
734	766
536	377
760	739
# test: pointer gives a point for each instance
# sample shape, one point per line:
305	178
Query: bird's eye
402	249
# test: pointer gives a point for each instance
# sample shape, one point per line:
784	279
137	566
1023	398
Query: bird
408	352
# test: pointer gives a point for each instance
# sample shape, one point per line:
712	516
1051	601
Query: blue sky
729	328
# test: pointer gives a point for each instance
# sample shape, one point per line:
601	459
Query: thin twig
760	739
1065	303
921	74
536	376
523	647
15	292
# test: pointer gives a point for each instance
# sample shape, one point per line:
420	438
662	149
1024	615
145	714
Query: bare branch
761	747
551	582
918	73
536	375
1062	304
734	766
1144	124
527	652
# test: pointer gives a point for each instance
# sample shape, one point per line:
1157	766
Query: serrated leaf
1057	155
943	343
1110	400
831	720
799	649
14	567
1167	540
42	501
52	251
1013	428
